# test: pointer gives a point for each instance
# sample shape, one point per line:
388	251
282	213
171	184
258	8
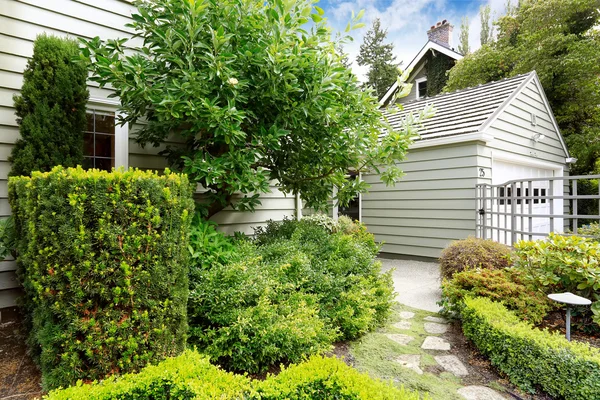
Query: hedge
531	357
191	376
103	260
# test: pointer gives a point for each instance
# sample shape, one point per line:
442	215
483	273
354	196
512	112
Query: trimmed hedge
191	376
531	357
103	261
471	253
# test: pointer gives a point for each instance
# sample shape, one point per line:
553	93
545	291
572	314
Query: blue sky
407	21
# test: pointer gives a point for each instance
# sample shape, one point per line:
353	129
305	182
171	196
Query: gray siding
432	205
20	22
513	129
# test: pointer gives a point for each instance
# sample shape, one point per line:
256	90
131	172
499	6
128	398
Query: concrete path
417	283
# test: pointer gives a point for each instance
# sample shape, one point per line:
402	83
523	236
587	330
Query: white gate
530	208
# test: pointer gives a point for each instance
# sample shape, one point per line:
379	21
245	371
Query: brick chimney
441	33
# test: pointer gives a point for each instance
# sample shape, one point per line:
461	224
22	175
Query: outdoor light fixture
569	299
538	137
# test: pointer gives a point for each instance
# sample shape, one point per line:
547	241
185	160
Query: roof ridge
463	89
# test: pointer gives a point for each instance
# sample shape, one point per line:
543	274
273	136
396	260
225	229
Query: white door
503	172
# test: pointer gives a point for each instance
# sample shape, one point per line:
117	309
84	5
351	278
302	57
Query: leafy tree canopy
463	38
50	108
557	39
256	93
379	56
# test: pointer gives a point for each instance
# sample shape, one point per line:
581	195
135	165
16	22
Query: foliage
102	258
437	66
322	220
293	291
463	37
328	379
207	245
557	39
50	108
563	264
591	229
380	58
487	29
530	357
8	239
473	253
255	95
502	285
191	376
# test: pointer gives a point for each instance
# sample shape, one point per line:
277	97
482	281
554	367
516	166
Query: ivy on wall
437	66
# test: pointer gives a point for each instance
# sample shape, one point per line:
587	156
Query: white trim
469	137
360	200
298	207
335	207
417	81
429	45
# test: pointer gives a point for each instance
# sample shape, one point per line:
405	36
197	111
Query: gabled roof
428	46
470	110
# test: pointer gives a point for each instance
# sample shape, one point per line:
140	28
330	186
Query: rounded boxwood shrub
473	253
103	261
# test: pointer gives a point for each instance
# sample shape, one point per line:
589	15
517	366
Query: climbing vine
437	66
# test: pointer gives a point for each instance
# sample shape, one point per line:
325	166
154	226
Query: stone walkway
418	286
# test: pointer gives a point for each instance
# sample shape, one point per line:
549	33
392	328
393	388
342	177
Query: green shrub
103	261
191	376
503	285
290	293
592	229
473	253
8	238
188	376
531	357
328	379
50	108
563	264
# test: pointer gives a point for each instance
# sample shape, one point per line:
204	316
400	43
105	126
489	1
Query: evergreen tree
51	108
463	45
383	69
486	27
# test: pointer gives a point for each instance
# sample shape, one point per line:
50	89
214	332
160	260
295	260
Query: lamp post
569	299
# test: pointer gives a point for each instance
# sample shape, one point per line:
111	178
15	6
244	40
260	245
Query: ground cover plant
473	253
530	357
191	376
103	261
291	292
503	285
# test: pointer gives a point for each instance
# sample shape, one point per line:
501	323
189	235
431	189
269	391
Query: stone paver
399	338
452	364
439	320
406	314
435	328
435	343
479	393
410	361
402	325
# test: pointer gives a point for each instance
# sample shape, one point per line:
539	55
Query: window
353	208
421	88
99	140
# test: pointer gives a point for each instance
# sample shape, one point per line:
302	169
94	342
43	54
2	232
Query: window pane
105	123
105	163
88	163
90	122
88	144
105	145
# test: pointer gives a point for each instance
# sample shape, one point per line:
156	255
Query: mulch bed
19	376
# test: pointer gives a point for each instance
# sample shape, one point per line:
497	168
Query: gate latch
481	211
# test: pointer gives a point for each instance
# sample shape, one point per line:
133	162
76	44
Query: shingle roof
460	112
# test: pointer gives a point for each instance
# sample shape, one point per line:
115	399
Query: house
482	134
110	145
429	67
491	134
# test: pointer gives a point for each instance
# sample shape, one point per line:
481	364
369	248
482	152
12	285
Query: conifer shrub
51	108
102	257
473	253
